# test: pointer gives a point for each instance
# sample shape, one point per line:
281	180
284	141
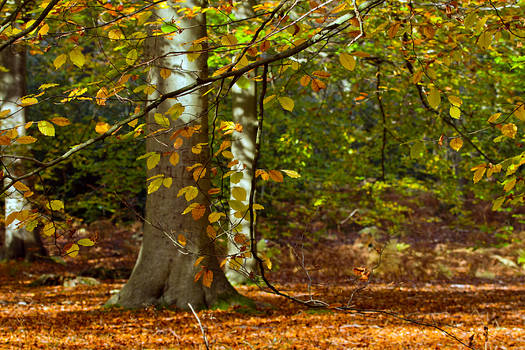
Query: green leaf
86	242
161	120
168	28
498	203
287	103
417	150
46	128
77	57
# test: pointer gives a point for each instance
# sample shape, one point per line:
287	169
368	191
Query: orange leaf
198	212
276	175
207	279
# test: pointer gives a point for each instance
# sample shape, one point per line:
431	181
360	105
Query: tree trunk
244	106
164	274
18	243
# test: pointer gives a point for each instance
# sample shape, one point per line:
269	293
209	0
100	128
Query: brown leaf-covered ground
469	294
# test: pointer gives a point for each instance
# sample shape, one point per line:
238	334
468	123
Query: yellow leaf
455	112
25	140
456	143
28	101
73	250
182	240
5	141
292	173
520	112
215	216
239	193
46	128
131	57
167	182
276	175
347	61
509	130
509	185
44	29
493	169
189	192
59	61
268	99
454	100
115	34
478	174
55	205
86	242
153	160
154	185
287	103
20	186
165	73
498	203
49	229
101	127
77	57
494	117
161	120
174	158
257	207
434	98
229	40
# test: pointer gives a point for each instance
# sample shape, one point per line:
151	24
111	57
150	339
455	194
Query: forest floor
424	296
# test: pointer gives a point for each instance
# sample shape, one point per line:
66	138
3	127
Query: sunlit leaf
131	57
215	216
73	250
292	173
55	205
181	239
456	143
46	128
155	185
509	130
287	103
86	242
102	127
276	175
49	229
153	160
60	121
455	112
20	186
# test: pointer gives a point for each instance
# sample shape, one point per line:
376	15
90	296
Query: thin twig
200	325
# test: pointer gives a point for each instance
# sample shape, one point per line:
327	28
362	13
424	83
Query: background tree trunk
18	242
244	106
163	274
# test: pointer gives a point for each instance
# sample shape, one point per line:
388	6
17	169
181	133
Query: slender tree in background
19	243
244	108
165	269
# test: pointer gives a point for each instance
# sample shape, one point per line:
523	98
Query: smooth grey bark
164	274
244	107
18	242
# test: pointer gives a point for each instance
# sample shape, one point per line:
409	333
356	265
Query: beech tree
244	112
18	242
177	138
